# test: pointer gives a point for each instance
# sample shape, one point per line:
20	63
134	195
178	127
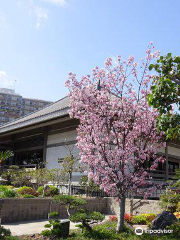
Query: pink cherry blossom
117	134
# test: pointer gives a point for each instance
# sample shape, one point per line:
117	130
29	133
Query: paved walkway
31	227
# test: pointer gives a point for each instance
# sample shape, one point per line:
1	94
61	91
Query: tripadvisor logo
139	231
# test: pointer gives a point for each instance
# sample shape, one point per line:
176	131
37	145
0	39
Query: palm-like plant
3	156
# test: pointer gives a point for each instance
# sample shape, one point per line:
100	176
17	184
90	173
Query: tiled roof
54	110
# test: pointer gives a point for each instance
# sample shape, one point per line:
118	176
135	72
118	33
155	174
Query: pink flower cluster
117	133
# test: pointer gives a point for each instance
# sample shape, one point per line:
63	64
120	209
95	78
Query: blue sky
41	41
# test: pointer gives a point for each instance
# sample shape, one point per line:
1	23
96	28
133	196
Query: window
172	166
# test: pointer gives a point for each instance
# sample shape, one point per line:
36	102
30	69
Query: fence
90	192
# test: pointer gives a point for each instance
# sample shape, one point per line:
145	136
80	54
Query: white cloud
5	81
56	2
39	13
41	16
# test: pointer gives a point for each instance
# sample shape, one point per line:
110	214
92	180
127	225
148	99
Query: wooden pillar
45	145
166	163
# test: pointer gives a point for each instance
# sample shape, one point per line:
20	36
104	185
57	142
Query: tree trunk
120	224
69	183
1	167
131	206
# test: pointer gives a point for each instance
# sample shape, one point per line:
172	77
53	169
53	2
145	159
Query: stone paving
28	228
31	227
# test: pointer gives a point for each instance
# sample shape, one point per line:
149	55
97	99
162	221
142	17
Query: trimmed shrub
9	193
3	188
27	190
27	196
169	200
6	192
51	191
4	233
113	218
143	218
46	233
86	219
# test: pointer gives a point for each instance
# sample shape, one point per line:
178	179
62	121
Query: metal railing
88	192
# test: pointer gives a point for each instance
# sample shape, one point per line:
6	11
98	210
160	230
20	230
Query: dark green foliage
4	233
176	229
11	173
104	231
165	93
46	233
55	228
49	191
169	200
53	214
86	218
71	202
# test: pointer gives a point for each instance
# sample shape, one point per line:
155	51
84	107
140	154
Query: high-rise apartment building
13	105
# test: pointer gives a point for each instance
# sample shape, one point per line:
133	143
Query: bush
176	229
12	238
4	233
9	193
55	228
3	188
70	201
46	233
27	196
139	219
128	218
27	190
86	218
143	218
5	191
53	214
50	191
169	200
113	218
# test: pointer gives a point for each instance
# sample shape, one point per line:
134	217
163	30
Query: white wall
54	153
171	151
62	137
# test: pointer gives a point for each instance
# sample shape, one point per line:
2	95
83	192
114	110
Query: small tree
117	133
69	165
86	218
70	202
80	215
21	177
10	174
165	94
90	185
3	156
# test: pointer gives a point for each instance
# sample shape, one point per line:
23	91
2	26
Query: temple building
41	137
